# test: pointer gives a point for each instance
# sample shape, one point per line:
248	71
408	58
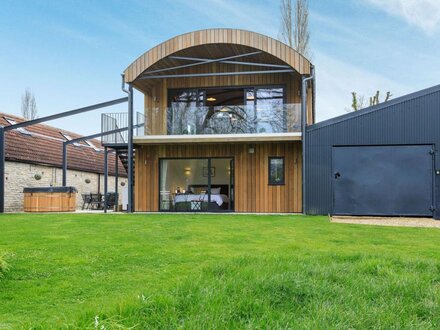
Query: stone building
34	159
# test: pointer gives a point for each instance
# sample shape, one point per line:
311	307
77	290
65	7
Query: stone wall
21	175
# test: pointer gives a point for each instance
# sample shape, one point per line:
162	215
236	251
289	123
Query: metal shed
382	160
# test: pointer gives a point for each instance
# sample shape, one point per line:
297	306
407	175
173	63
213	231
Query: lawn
215	271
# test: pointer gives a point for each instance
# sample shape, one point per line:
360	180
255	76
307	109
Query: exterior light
211	99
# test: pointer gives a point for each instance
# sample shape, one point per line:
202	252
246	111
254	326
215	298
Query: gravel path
388	221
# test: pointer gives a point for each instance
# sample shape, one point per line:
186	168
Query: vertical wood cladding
252	191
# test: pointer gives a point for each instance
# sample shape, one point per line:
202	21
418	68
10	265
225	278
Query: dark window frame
270	181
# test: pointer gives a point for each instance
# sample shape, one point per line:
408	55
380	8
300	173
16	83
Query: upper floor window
222	110
269	115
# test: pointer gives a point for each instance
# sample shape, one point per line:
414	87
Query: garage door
383	180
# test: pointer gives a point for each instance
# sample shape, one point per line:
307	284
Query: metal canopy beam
269	65
37	121
84	138
214	74
66	114
94	136
203	62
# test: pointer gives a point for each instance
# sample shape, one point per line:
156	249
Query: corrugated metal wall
411	119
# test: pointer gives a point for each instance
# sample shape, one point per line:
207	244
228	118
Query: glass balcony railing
192	120
283	118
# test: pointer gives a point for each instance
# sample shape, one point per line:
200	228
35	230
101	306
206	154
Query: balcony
186	122
114	121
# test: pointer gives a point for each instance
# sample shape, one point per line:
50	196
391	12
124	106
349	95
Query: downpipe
304	84
129	91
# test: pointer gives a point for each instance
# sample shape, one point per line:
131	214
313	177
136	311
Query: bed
197	199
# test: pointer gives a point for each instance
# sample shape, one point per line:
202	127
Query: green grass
3	266
216	271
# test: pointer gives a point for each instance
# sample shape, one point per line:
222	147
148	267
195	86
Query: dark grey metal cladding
409	120
383	180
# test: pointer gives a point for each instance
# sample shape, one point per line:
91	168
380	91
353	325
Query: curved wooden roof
231	37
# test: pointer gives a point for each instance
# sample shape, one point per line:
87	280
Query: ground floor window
196	184
276	170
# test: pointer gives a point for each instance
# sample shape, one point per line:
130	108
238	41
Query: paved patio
388	221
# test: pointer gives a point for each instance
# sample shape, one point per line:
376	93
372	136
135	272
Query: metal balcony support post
64	164
105	178
116	180
130	207
2	170
304	85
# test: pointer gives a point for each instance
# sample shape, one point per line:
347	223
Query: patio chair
87	199
96	201
111	199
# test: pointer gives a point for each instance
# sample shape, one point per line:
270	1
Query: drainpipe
312	67
304	84
129	143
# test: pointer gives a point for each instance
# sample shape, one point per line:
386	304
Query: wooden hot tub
50	199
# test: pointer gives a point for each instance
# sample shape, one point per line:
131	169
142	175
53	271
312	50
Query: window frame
273	183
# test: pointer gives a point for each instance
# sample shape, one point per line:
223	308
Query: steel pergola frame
41	120
106	152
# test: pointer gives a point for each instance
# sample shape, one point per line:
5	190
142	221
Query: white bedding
219	199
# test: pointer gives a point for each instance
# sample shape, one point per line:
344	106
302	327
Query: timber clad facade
218	105
252	191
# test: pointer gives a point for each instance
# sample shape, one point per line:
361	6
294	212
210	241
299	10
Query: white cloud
424	14
336	80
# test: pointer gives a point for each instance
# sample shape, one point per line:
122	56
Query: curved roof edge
217	36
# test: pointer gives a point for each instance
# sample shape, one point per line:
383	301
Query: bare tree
28	105
359	102
295	25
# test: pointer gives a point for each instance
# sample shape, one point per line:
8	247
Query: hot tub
50	199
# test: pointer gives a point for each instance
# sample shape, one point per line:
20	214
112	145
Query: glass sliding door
196	184
183	185
221	184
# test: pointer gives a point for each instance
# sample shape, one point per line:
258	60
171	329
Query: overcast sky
71	53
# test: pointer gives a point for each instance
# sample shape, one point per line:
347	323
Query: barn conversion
228	126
